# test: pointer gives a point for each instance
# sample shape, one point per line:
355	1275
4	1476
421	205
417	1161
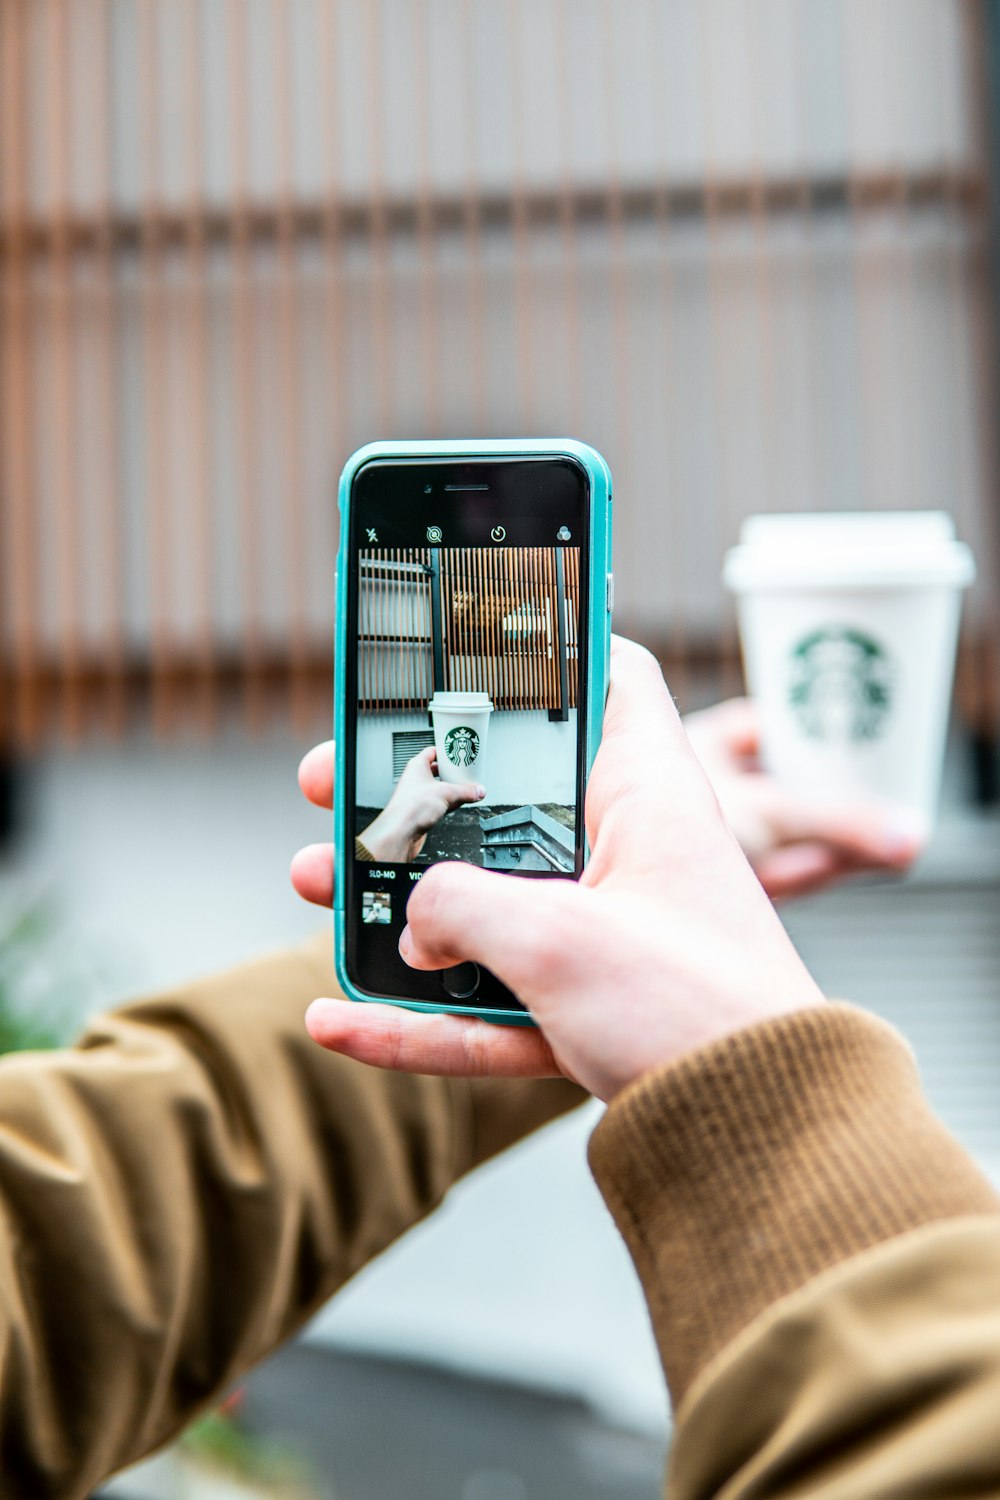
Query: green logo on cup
840	685
461	745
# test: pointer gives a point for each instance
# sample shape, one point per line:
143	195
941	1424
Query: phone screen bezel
530	495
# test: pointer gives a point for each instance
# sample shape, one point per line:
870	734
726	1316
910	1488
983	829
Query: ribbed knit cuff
739	1173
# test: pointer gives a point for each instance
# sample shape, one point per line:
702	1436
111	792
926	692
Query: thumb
458	913
458	793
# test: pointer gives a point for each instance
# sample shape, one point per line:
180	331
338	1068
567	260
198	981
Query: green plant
35	987
220	1442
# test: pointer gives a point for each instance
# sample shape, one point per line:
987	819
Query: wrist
387	840
745	1169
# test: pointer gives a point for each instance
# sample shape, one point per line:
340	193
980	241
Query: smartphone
473	637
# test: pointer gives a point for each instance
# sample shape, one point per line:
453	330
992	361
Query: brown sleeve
181	1190
878	1378
744	1171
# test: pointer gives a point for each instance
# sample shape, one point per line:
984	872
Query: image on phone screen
482	767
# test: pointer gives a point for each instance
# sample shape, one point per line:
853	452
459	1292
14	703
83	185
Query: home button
461	982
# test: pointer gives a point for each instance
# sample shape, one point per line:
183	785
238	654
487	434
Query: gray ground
373	1429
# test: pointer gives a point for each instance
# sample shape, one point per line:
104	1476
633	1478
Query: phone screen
467	609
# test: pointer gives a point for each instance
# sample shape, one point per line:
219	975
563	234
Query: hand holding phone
667	943
472	646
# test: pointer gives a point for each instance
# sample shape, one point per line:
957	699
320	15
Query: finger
460	793
387	1036
801	870
732	728
458	913
316	774
312	873
871	834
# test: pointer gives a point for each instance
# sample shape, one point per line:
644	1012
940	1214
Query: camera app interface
467	707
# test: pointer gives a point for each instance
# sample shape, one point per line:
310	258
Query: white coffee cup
849	625
461	726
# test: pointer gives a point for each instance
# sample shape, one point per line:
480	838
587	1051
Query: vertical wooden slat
519	589
485	662
617	262
872	386
154	369
763	273
557	629
572	557
461	614
536	614
244	365
476	295
518	592
520	228
539	636
290	372
510	640
672	507
549	644
19	467
567	223
62	396
201	541
106	373
461	557
475	562
499	638
431	351
986	353
818	495
901	267
718	516
380	280
338	379
394	650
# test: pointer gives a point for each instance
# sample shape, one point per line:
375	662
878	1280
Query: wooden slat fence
500	628
746	250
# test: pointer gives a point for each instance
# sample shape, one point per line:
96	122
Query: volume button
611	593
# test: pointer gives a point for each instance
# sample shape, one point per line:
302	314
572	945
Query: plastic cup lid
848	549
454	701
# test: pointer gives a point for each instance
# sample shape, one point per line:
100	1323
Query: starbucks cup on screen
849	624
461	724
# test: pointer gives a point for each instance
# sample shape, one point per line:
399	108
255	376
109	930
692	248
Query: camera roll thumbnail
468	675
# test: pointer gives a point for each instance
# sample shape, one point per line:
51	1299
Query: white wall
527	758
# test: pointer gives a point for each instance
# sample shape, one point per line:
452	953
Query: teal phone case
598	656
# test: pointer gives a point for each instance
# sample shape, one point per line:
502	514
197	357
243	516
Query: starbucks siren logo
461	745
840	685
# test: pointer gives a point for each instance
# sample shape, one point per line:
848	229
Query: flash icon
372	534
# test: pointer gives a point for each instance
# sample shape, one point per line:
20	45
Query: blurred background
747	251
